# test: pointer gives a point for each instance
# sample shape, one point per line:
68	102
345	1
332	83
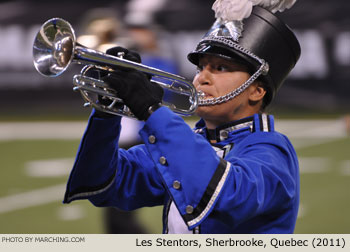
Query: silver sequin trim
239	126
88	194
264	122
213	197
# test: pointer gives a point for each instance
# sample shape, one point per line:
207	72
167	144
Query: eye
222	68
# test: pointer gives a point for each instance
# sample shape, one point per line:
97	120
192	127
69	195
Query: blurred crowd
164	31
103	28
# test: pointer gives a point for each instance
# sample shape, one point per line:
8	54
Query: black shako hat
262	38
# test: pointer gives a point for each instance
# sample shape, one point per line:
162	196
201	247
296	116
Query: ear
256	92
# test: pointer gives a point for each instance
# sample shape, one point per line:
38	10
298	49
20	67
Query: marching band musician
233	173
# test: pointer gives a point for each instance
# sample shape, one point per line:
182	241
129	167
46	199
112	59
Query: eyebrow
234	62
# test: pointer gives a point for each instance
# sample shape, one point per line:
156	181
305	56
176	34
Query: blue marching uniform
242	177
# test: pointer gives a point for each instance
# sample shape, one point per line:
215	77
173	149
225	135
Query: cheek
231	82
225	85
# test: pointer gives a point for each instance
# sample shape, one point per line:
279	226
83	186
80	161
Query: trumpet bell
53	48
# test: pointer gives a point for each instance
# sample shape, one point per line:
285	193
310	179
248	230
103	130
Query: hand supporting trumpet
134	87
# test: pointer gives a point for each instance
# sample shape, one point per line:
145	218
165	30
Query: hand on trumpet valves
134	87
124	53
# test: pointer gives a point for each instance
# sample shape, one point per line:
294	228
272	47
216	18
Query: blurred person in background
146	33
145	38
101	28
233	173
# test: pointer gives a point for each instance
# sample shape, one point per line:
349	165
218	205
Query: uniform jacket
246	182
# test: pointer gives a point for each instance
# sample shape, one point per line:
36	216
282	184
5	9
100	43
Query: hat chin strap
263	70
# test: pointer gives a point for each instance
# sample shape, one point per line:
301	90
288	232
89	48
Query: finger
129	55
157	90
117	49
118	83
133	56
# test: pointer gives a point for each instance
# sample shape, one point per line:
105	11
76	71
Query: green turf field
34	172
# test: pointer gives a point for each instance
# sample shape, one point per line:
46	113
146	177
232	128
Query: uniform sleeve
201	183
109	176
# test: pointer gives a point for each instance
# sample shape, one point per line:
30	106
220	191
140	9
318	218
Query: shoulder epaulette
263	123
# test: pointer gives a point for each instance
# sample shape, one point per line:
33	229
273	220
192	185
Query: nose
203	77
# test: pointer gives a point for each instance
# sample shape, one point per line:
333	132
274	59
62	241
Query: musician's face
216	77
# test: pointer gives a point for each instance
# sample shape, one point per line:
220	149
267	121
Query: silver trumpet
55	48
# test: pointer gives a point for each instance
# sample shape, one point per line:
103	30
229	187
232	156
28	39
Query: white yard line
70	212
345	168
308	133
10	131
75	130
32	198
49	168
39	197
41	130
312	128
314	164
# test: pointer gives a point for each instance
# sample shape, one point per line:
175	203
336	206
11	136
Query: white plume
229	10
274	5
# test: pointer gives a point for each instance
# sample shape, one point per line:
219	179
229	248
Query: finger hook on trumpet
55	48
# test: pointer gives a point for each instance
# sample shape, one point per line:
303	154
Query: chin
202	110
206	112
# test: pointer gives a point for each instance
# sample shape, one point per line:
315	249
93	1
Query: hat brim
220	50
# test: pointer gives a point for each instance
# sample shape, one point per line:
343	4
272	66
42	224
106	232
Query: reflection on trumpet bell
55	48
